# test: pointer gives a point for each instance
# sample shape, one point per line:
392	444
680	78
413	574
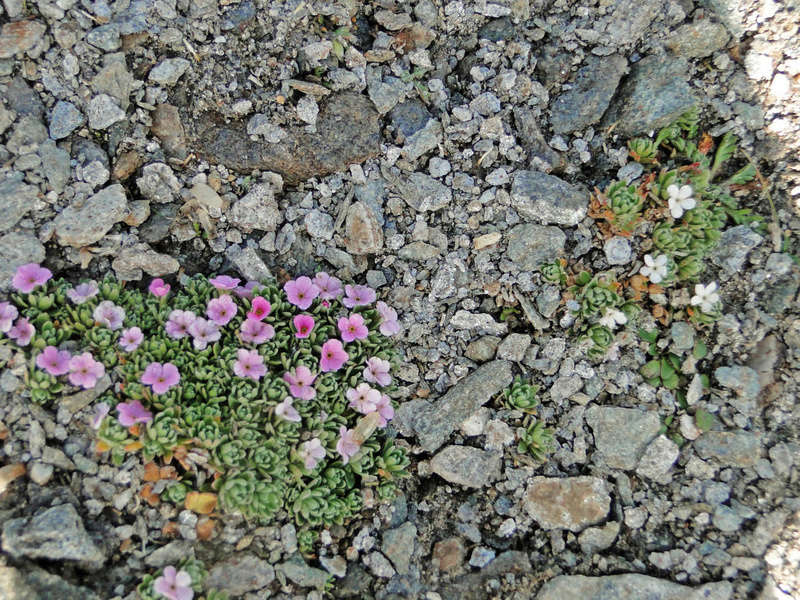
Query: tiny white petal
661	260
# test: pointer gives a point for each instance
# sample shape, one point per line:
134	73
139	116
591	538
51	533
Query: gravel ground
439	153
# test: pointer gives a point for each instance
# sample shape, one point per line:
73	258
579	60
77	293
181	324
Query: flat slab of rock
130	263
630	586
55	534
18	199
467	466
240	574
303	575
433	422
347	133
398	546
571	503
622	434
531	245
547	199
17	249
730	448
38	584
85	222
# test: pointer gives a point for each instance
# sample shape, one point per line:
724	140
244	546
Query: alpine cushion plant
275	401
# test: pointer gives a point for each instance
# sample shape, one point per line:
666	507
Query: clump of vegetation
267	401
534	438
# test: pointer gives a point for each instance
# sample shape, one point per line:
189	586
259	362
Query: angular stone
434	422
514	347
249	263
168	128
55	534
622	434
22	99
301	574
158	183
540	155
653	96
729	448
20	36
418	251
448	554
38	584
422	141
591	92
363	232
168	71
239	574
531	245
398	546
547	199
570	503
483	349
658	459
103	112
347	132
257	210
597	539
733	246
477	323
423	193
744	381
56	163
631	586
698	39
131	261
17	199
409	117
115	80
64	119
467	466
17	249
85	222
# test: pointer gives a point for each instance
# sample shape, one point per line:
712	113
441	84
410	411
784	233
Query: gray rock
780	295
37	584
85	222
398	546
597	539
364	234
409	117
470	467
658	459
682	334
486	104
547	199
433	422
591	92
64	119
18	199
27	135
745	382
481	556
17	249
168	71
55	534
698	39
477	323
733	247
256	210
571	503
629	585
335	565
622	434
548	300
726	519
319	225
249	263
418	251
618	250
105	37
385	94
22	99
56	165
158	183
423	193
239	574
131	261
531	245
259	124
379	565
156	228
20	36
103	112
422	141
168	128
169	554
729	448
514	347
653	96
300	573
531	138
565	387
482	349
115	80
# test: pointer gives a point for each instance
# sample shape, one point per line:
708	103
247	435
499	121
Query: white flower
655	268
612	318
705	296
680	199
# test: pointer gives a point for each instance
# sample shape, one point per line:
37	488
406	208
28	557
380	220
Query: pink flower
352	328
22	332
333	356
8	312
311	452
363	399
347	446
259	309
84	370
389	325
29	277
286	410
301	292
246	291
133	412
131	338
377	371
83	292
174	585
301	382
385	410
221	310
330	288
100	413
158	288
203	333
249	364
179	322
303	324
256	332
109	314
223	282
161	376
358	295
53	360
